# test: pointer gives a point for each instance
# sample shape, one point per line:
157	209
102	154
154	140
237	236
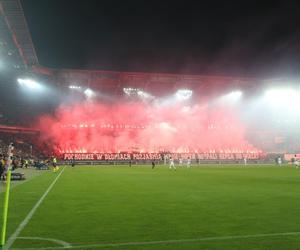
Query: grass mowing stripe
137	243
13	237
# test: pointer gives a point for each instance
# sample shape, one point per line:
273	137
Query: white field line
138	243
58	242
13	237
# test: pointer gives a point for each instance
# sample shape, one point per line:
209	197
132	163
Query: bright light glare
283	96
144	95
130	91
88	92
279	93
231	98
74	87
137	92
183	94
235	95
28	83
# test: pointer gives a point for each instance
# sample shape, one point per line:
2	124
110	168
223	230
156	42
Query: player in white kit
172	165
188	163
180	161
279	161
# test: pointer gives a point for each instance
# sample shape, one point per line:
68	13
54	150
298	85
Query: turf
96	206
29	173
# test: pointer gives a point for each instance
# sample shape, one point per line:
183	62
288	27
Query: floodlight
144	95
130	91
230	98
235	95
74	87
88	92
279	93
183	94
28	83
284	96
137	93
126	91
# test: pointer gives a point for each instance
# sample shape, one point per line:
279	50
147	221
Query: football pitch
117	207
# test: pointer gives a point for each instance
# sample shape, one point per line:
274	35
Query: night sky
242	38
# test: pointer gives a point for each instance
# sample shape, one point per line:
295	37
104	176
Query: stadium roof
157	83
109	81
16	22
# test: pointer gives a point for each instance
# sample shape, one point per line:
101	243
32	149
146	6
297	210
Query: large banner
158	156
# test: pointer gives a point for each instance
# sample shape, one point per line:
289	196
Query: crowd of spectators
25	154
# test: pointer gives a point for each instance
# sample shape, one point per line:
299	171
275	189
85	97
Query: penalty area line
23	224
157	242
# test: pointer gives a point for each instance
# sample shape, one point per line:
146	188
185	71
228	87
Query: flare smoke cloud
142	127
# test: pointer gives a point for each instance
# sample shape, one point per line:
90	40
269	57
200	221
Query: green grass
29	173
99	205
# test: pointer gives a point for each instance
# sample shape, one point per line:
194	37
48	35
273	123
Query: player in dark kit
153	164
73	162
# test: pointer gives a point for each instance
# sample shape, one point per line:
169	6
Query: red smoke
97	127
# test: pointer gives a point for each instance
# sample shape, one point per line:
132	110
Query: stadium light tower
29	83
